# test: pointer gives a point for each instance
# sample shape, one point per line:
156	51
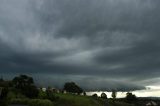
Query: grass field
68	100
76	100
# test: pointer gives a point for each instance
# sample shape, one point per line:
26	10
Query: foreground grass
32	102
76	100
69	100
119	104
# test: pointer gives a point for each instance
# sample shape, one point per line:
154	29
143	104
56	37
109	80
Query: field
70	100
76	100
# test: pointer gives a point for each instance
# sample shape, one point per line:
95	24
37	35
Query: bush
30	91
3	94
19	101
72	88
40	102
32	102
130	97
50	95
104	96
3	103
42	95
95	95
25	85
17	93
11	95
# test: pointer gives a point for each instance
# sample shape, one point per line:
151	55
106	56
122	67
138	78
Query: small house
44	89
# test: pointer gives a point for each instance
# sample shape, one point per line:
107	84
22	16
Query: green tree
84	93
72	88
3	96
31	91
22	81
95	95
3	93
1	79
103	95
25	85
114	94
130	97
50	95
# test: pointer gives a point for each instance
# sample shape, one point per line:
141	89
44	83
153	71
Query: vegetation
21	90
130	98
39	102
114	94
25	85
104	96
95	95
77	100
3	96
72	88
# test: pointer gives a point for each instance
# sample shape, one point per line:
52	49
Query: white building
44	89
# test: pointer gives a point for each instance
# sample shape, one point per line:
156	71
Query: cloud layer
114	43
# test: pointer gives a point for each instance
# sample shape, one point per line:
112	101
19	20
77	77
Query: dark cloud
97	40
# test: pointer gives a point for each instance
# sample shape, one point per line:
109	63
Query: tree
25	85
50	94
1	79
22	81
95	95
3	96
72	88
84	93
3	93
130	97
114	94
103	95
4	83
31	91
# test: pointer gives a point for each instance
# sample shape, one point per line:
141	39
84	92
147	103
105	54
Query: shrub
40	102
32	102
50	95
30	91
72	88
42	95
130	97
19	101
25	85
95	95
11	95
3	103
3	94
104	96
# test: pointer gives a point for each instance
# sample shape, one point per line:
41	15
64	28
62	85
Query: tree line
25	85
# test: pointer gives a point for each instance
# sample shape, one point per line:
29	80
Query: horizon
152	92
100	45
148	91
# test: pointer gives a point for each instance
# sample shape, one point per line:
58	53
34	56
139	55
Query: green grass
119	104
68	100
77	100
32	102
40	102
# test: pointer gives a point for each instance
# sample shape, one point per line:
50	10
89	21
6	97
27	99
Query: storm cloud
114	43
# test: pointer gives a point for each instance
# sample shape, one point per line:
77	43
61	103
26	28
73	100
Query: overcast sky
99	44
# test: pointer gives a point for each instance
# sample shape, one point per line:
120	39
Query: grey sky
102	44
